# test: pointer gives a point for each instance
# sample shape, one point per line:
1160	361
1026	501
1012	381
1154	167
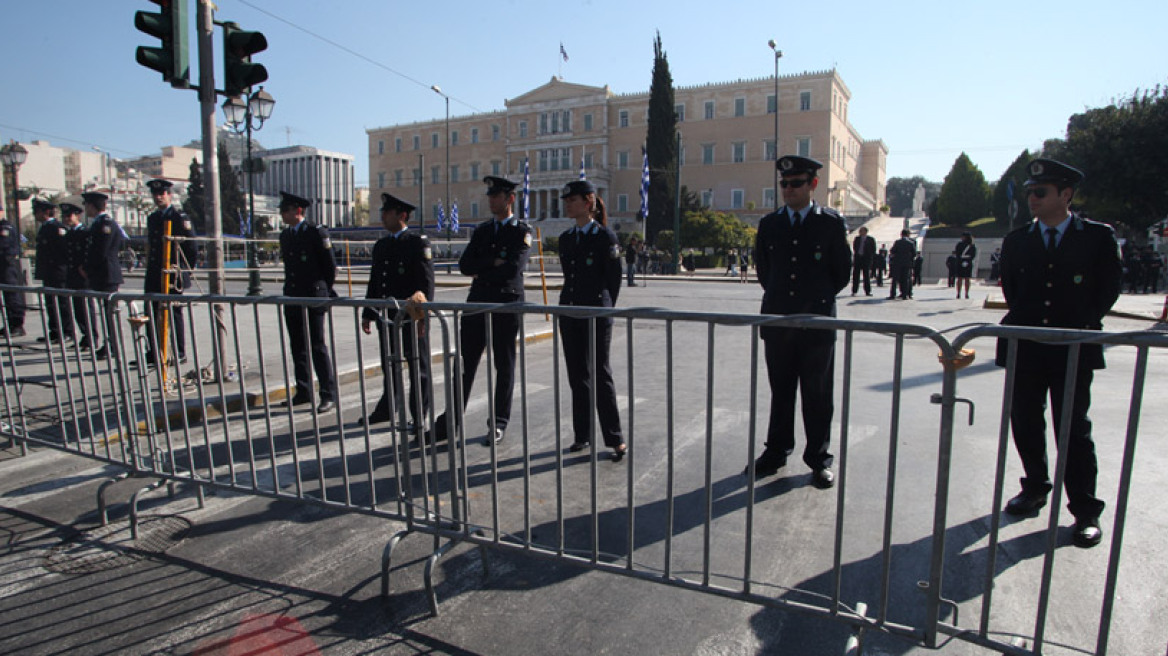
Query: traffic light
170	26
238	47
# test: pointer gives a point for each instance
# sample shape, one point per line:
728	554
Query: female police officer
591	259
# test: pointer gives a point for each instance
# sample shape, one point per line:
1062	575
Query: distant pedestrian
900	264
863	253
631	261
966	253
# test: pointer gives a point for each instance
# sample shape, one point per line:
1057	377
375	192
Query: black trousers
83	317
174	326
802	360
60	311
861	269
307	340
419	371
473	341
14	304
109	316
901	277
1032	387
574	337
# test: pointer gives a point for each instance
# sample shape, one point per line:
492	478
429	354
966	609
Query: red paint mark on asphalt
263	635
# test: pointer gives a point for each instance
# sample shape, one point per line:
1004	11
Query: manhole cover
110	547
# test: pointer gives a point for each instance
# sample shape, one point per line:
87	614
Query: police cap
1049	171
578	188
390	203
497	185
39	205
94	196
794	165
158	185
292	200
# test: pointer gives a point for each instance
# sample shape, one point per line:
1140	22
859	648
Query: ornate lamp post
778	55
241	117
438	90
13	156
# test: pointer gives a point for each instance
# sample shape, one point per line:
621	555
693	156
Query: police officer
77	245
11	274
591	257
803	261
181	256
310	269
403	269
966	253
52	267
900	265
103	267
495	259
1061	271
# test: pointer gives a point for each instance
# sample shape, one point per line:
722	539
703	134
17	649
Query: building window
397	145
622	203
380	147
588	161
738	150
522	129
567	121
707	153
474	209
681	157
474	171
494	133
768	197
543	123
434	173
397	178
454	138
622	160
417	177
804	101
417	142
768	150
709	110
803	147
623	118
543	160
707	198
740	106
434	140
679	109
587	122
474	135
566	158
737	199
495	167
772	106
381	180
454	173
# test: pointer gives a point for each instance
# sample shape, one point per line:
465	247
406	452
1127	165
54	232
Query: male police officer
52	267
1061	271
402	270
803	261
495	258
176	256
310	269
11	274
103	267
77	246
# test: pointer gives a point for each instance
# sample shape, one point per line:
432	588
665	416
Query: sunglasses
795	184
1037	192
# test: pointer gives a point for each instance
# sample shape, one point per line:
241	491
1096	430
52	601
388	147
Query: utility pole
211	199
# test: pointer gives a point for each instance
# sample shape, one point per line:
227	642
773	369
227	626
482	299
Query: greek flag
244	223
644	182
582	176
441	216
526	209
454	217
563	53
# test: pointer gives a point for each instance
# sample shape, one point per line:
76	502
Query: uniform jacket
591	259
509	241
183	254
310	268
10	271
77	242
102	265
903	252
869	251
1072	288
802	269
966	256
52	253
402	265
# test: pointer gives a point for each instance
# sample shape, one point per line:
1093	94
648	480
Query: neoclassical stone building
727	154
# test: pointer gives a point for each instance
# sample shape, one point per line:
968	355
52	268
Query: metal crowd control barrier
678	511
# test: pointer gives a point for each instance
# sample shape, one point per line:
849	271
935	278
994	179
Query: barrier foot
134	506
385	557
101	510
433	560
855	644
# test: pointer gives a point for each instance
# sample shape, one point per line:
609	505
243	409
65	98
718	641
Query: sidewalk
1130	306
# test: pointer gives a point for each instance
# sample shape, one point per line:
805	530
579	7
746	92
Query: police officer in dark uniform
11	274
803	261
591	257
52	267
181	255
103	266
1061	271
77	244
403	269
901	260
310	269
495	258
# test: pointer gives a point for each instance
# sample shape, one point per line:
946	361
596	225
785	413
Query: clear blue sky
931	79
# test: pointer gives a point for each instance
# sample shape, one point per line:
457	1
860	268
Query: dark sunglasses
1037	192
795	184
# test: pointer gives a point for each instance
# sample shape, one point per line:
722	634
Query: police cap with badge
158	185
794	165
70	206
578	188
497	185
1049	171
391	203
288	200
39	205
94	197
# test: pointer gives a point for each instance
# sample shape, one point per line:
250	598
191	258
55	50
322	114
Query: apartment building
324	177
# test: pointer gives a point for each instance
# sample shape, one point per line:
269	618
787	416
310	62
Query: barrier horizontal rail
696	531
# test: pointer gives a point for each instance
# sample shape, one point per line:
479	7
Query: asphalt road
254	575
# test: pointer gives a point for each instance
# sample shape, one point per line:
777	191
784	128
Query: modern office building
324	177
727	156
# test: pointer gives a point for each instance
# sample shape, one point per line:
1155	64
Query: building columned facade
727	155
324	177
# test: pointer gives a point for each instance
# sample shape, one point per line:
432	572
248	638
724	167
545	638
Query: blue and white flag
644	182
454	217
244	224
441	216
526	209
582	176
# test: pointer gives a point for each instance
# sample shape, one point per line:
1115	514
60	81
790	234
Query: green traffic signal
238	47
170	27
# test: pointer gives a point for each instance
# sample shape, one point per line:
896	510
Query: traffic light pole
211	199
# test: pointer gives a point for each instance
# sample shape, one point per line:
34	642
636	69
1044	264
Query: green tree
193	205
899	192
964	194
661	144
232	202
720	231
1016	172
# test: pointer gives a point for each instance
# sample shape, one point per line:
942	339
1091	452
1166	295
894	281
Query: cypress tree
661	143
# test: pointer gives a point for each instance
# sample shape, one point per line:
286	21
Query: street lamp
438	90
240	117
13	156
778	55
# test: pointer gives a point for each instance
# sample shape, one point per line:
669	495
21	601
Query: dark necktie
1051	236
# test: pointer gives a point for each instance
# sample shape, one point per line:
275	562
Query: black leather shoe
326	405
764	467
1087	533
83	345
823	478
1025	503
618	453
101	353
498	437
16	332
577	447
